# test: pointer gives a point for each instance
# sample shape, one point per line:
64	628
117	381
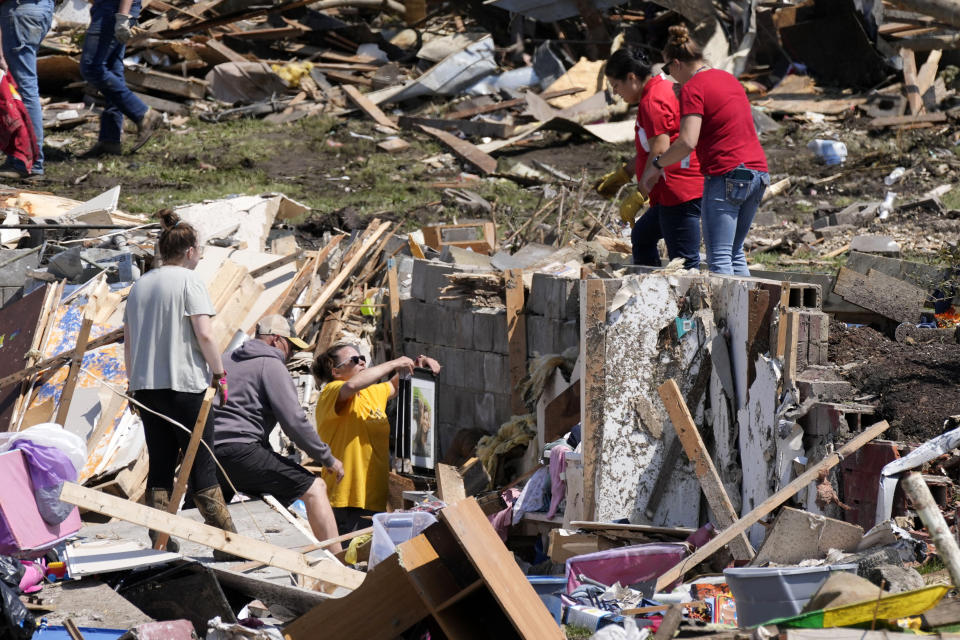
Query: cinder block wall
471	343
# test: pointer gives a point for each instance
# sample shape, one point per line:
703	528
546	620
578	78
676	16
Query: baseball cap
277	325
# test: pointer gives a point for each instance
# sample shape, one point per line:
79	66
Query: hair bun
679	34
168	218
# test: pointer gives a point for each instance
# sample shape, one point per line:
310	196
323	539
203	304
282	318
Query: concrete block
454	367
428	279
878	244
543	335
473	377
496	373
490	330
798	535
823	384
554	297
464	400
460	322
503	409
446	404
485	412
569	334
446	432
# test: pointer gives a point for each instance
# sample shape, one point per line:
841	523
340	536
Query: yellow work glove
608	185
631	205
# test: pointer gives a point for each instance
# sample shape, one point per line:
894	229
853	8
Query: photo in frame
422	416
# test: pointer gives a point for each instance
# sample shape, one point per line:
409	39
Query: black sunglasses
354	359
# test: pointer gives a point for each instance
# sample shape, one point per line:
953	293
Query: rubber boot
160	499
214	510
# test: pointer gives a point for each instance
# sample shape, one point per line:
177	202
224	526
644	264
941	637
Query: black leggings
165	441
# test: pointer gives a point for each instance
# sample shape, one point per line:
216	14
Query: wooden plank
516	337
890	297
926	77
368	107
325	569
910	81
790	348
275	264
893	121
302	279
593	317
275	33
467	127
506	104
249	566
710	481
334	284
679	532
485	162
415	249
670	623
228	54
382	608
800	482
393	293
180	486
497	568
449	484
47	316
345	78
70	384
167	106
167	82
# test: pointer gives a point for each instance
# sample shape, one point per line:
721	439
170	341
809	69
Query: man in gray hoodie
262	394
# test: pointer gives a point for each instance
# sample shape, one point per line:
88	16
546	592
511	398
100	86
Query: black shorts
256	470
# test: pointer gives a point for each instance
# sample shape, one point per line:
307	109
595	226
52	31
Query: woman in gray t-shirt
171	359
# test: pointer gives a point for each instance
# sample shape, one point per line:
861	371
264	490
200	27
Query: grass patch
932	565
576	632
951	199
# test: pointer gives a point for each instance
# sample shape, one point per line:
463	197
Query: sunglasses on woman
354	359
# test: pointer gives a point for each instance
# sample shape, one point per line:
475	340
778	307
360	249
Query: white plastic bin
766	593
390	529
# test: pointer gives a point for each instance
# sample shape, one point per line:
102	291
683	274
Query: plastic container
830	151
390	529
894	176
886	207
549	589
766	593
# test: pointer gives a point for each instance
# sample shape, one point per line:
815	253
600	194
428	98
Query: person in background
716	120
674	212
23	25
261	394
351	417
171	359
101	64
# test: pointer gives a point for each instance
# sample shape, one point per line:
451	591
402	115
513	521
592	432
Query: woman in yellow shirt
351	418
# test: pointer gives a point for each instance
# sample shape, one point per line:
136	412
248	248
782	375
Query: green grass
575	632
307	160
951	199
932	565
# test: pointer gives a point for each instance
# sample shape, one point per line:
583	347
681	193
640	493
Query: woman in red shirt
674	212
715	119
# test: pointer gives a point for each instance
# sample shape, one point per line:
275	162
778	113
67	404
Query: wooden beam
516	337
894	121
193	88
180	486
710	481
345	78
800	482
367	106
483	161
325	569
466	127
593	318
890	297
334	284
70	384
926	77
910	81
274	264
393	289
449	484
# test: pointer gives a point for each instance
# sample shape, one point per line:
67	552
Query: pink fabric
501	520
558	483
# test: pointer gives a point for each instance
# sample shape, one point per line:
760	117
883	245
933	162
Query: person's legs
320	514
645	236
160	437
680	226
24	25
350	519
748	210
101	64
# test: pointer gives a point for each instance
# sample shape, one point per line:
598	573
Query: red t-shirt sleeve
659	118
691	99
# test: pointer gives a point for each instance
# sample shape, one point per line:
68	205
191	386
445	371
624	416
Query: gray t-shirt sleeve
293	420
196	298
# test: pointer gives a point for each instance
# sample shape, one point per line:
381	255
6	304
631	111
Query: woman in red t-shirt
674	212
715	119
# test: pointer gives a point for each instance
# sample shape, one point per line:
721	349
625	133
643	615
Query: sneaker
9	172
152	121
103	149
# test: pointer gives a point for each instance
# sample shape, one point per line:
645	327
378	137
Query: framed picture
423	419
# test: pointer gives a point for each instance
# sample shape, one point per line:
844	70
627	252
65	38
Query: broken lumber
368	107
483	161
192	88
506	104
516	337
696	450
910	81
800	482
929	511
327	293
894	121
325	569
593	310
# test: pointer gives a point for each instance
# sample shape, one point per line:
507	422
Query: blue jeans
729	203
678	225
23	24
101	64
